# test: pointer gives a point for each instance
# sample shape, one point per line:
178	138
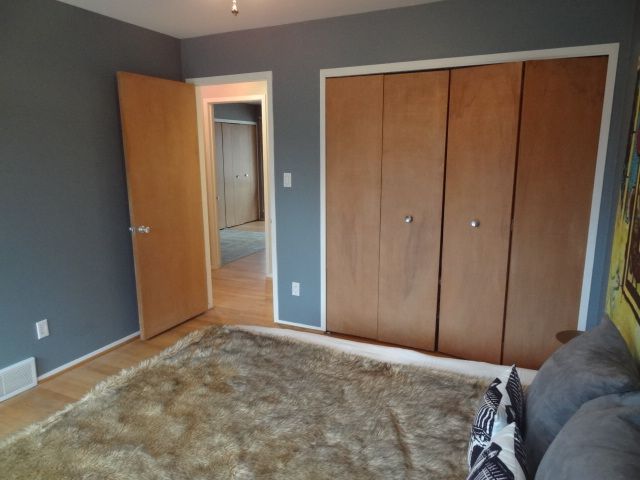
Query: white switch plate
42	328
287	180
295	289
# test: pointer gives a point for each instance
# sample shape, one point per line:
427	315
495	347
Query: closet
458	205
236	173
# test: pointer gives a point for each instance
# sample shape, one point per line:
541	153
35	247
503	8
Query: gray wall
295	53
65	253
237	111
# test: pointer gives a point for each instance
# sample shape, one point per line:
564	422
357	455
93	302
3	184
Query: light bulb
234	7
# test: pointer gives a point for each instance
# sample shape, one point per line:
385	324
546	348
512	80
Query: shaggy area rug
225	403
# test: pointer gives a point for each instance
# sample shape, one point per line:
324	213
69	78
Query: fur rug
225	403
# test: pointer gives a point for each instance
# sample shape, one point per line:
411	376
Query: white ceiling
192	18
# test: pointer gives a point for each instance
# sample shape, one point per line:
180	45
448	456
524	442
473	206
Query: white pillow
502	404
503	459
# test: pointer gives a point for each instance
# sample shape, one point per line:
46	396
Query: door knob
475	223
237	176
246	174
408	219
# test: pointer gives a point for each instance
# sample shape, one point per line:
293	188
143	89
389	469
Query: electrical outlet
295	289
42	328
287	180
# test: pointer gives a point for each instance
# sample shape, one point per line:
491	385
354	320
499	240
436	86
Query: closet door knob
408	219
475	223
246	174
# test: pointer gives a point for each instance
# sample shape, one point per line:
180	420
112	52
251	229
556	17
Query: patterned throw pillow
503	459
502	404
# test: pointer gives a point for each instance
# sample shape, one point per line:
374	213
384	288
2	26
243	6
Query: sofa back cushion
592	365
601	441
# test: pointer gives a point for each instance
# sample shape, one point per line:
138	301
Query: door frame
609	50
268	171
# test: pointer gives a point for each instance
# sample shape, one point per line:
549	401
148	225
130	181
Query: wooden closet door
230	175
220	178
353	167
240	166
414	140
246	164
483	132
561	115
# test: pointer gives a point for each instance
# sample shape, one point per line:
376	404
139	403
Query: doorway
216	98
239	178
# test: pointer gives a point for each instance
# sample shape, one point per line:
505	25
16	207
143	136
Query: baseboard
300	325
88	356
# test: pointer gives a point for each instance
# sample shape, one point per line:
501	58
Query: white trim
300	325
266	102
596	198
88	356
239	122
205	204
609	49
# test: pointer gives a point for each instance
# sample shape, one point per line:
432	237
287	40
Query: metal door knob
475	223
246	174
408	219
143	229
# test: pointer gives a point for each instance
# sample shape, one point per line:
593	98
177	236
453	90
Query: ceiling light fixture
234	8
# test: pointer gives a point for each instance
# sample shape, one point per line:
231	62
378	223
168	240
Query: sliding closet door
353	166
561	114
220	178
414	140
240	170
483	131
246	166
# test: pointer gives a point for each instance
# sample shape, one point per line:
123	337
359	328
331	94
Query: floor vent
17	378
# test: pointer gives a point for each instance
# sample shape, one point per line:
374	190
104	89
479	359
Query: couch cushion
601	441
592	365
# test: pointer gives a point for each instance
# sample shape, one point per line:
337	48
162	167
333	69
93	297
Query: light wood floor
242	295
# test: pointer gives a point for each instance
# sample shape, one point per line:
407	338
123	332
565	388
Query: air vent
17	378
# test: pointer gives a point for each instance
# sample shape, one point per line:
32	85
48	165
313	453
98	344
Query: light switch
287	180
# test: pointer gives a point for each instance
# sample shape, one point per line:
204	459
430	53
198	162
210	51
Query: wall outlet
287	180
42	328
295	289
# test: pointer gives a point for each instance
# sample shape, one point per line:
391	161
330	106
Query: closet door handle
475	223
408	219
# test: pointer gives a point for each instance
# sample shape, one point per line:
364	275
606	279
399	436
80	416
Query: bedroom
67	253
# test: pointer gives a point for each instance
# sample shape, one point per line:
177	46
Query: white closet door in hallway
236	173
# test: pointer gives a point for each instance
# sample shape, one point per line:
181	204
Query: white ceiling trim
193	18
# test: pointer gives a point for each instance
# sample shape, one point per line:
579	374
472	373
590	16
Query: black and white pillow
502	404
503	459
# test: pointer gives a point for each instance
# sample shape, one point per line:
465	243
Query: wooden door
481	157
163	179
241	173
414	140
246	165
561	115
353	170
220	178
